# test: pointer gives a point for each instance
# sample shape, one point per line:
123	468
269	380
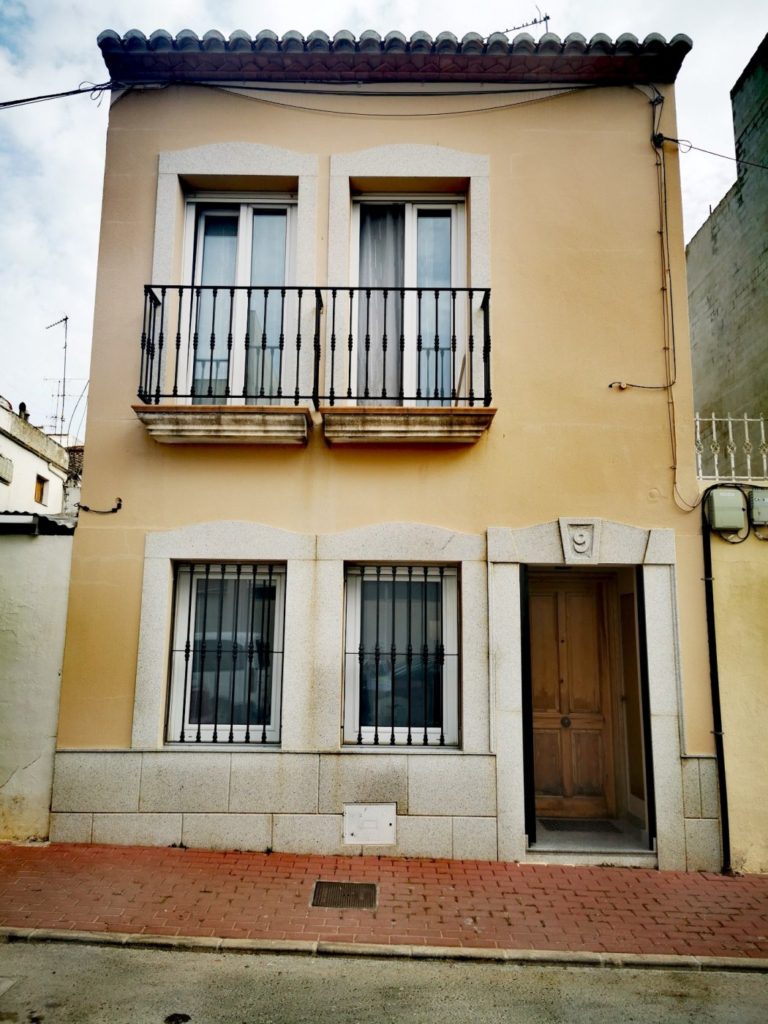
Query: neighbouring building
405	562
740	574
36	531
728	270
728	297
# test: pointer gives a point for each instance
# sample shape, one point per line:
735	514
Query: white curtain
382	252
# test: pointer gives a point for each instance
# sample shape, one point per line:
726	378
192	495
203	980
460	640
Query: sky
52	154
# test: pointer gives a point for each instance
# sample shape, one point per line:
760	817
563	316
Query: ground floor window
226	653
402	655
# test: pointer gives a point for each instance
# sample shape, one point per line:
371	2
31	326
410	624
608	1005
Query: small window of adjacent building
6	470
41	490
226	653
402	655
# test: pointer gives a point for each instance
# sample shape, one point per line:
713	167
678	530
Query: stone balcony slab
348	425
226	424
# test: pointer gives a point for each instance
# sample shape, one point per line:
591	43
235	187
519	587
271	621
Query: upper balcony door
404	337
239	310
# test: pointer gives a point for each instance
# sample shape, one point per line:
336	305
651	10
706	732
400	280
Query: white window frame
413	204
451	668
244	204
182	625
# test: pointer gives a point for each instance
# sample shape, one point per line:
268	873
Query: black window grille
402	655
227	653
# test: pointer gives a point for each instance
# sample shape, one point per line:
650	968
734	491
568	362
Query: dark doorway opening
587	737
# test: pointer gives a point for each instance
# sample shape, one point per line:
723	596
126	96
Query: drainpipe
714	682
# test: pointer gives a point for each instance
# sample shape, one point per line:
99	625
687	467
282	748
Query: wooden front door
573	757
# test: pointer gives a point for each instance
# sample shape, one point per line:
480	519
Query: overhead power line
686	146
93	89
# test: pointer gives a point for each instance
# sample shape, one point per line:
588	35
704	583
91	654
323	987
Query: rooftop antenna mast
60	418
543	19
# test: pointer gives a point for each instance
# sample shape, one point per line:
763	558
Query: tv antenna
59	418
543	19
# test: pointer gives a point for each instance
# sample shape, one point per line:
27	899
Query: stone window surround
235	159
195	424
410	161
314	643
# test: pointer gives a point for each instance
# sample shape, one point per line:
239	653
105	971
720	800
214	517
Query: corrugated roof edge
36	525
318	57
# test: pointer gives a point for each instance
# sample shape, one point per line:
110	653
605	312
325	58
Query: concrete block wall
728	269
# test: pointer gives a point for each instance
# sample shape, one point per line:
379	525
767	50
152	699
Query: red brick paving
471	904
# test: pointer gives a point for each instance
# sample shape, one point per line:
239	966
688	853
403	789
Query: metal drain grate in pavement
345	895
578	825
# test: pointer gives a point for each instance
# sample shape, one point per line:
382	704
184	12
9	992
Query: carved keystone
581	541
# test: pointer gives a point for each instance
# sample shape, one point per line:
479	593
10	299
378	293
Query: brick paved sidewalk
468	904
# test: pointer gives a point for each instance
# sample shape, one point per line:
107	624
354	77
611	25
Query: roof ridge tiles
134	57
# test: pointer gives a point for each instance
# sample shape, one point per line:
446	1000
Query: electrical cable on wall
685	146
550	93
656	101
102	511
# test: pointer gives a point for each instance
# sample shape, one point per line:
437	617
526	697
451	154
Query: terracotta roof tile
136	58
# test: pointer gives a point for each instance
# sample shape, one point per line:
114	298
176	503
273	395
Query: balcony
248	364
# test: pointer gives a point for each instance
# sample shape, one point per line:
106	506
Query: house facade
405	561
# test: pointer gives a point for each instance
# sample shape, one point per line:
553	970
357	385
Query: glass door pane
382	258
218	264
270	314
433	271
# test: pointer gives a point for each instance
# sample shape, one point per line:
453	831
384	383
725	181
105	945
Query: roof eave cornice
162	58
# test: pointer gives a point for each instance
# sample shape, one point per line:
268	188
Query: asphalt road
60	983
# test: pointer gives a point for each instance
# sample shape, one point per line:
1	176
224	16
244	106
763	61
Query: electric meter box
726	509
758	506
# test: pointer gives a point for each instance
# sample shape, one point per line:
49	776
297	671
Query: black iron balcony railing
229	345
408	346
207	345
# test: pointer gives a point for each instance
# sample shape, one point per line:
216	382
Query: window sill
226	424
404	425
215	748
401	749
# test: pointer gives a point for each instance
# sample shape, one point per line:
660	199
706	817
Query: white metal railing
731	447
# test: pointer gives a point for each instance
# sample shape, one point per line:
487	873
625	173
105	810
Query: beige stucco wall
576	303
741	585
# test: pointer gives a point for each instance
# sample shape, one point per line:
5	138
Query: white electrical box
370	824
727	509
758	506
